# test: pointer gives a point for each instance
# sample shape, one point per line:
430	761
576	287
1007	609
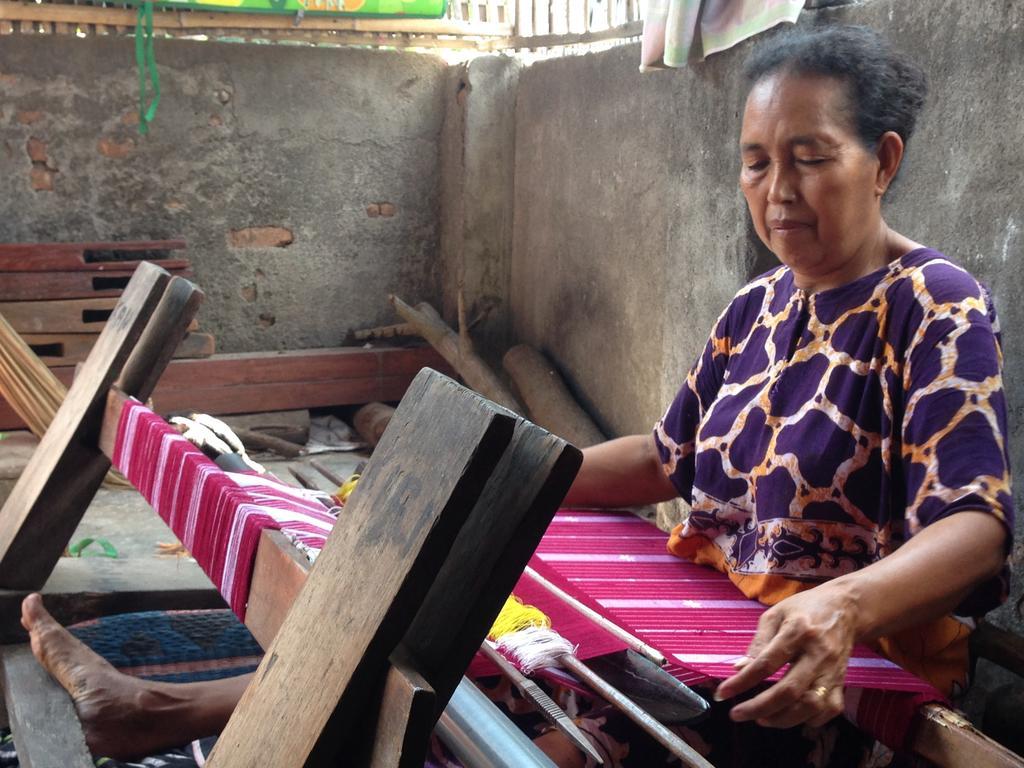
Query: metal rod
636	713
480	736
553	713
334	477
633	642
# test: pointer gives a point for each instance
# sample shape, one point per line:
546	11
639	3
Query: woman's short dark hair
885	90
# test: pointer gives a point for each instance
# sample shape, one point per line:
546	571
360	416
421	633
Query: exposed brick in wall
260	237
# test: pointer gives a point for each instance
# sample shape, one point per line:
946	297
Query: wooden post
369	581
60	480
42	716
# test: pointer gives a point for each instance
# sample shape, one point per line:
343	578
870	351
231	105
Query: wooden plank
485	561
308	697
260	382
299	366
277	578
68	316
29	286
42	716
64	349
68	262
407	710
408	701
17	257
490	554
83	588
327	364
193	20
32	249
52	493
61	348
196	346
278	396
948	740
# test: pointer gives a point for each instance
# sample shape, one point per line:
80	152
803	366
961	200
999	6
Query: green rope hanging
146	62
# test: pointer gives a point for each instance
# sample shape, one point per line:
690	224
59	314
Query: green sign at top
430	9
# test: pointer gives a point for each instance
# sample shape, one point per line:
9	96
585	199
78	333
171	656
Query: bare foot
119	713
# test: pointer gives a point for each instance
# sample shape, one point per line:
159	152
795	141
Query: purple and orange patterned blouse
818	431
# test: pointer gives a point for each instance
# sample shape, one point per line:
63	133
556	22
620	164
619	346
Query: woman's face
812	188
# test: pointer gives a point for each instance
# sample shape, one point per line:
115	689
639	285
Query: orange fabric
936	652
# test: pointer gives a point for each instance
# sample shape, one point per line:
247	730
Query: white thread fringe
534	648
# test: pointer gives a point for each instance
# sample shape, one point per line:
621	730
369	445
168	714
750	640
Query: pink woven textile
613	561
217	515
617	564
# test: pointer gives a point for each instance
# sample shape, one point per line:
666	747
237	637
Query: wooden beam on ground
83	588
29	286
42	716
61	479
330	656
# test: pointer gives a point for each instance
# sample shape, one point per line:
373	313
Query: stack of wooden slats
58	296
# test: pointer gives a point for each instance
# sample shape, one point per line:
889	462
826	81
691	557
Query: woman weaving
841	440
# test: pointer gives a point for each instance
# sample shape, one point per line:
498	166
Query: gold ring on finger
821	691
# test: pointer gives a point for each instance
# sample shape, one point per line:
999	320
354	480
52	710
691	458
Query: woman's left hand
813	631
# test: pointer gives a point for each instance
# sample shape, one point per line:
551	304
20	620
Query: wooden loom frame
529	471
447	514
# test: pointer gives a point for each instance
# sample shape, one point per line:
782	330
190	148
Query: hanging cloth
146	62
679	31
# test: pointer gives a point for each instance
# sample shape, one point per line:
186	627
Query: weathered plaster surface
630	234
301	139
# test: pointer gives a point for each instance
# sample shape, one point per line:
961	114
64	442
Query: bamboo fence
484	25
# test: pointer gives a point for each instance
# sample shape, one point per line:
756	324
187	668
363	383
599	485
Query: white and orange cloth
677	32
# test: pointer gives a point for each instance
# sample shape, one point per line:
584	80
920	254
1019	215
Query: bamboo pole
31	389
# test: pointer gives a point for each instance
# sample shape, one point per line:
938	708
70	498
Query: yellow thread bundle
515	616
346	488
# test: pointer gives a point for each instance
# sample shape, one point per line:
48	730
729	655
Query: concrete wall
477	167
630	233
302	139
